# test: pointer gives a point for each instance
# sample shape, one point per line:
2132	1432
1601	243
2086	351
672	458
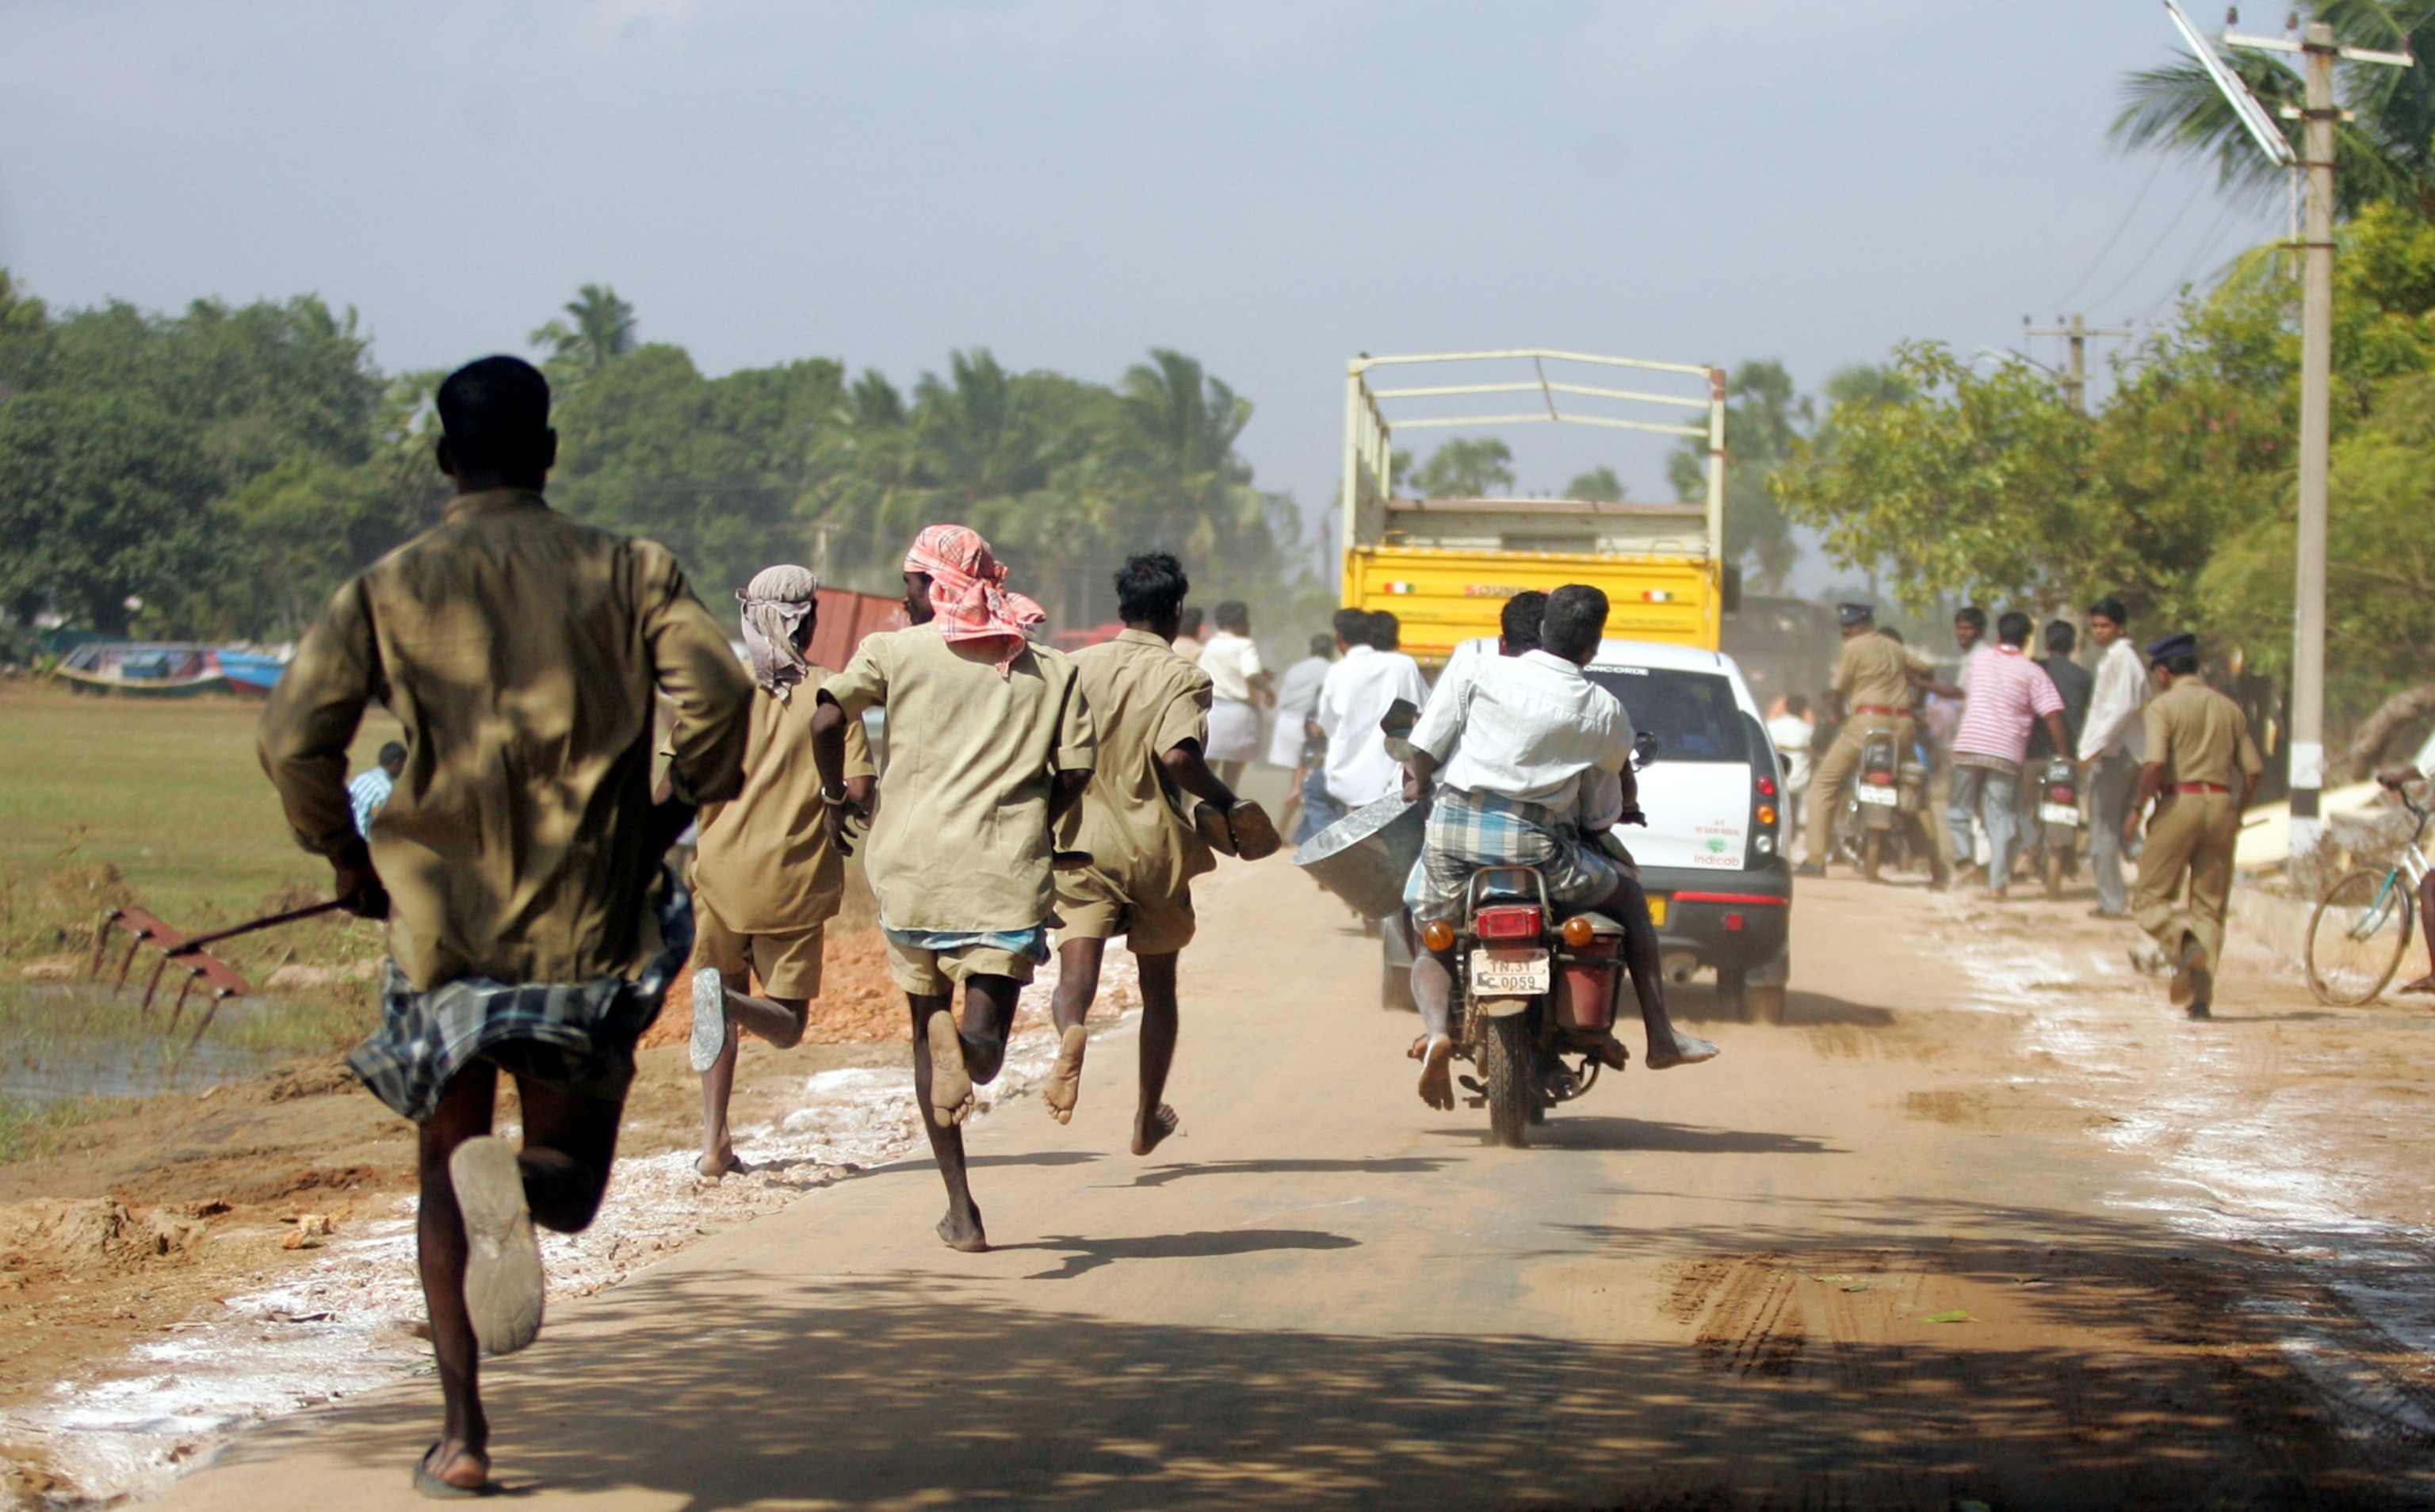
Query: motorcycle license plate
2057	813
1884	797
1508	974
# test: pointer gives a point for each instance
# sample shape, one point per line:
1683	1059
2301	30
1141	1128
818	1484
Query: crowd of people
2167	762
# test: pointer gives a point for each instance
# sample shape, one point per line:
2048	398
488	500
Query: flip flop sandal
1256	837
951	1085
1209	822
1062	1087
709	1019
503	1280
426	1483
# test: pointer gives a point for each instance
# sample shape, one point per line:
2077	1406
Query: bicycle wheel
2357	936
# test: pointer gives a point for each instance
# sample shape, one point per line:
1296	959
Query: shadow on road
1700	1005
1575	1131
1083	1256
920	1392
1385	1165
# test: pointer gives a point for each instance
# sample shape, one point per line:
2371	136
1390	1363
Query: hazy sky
1270	187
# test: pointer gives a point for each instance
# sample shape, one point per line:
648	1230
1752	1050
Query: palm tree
603	330
2386	153
1180	427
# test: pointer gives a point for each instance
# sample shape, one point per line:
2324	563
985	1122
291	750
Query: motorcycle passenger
1515	751
1871	692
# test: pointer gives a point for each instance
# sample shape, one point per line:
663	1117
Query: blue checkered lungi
575	1037
1468	831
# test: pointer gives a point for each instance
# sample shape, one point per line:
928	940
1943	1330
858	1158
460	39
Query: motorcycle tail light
1879	779
1437	934
2061	794
1506	923
1767	813
1766	787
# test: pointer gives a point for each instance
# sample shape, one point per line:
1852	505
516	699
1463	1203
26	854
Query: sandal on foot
503	1283
430	1484
1437	1082
951	1085
1689	1050
1062	1087
709	1019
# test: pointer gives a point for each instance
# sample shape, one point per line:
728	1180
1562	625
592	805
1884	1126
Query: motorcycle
2059	822
1878	823
1532	992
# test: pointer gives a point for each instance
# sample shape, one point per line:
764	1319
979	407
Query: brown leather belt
2200	787
1878	709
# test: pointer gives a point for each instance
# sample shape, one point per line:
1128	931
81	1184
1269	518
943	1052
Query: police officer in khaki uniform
2200	767
1873	680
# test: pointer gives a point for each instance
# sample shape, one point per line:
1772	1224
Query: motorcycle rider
1874	678
1517	752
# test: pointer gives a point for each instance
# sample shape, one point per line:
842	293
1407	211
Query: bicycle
2361	925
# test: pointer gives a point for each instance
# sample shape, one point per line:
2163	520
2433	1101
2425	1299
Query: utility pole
2075	374
2318	49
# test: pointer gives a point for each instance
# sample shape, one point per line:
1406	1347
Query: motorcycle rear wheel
1505	1074
1873	854
2054	849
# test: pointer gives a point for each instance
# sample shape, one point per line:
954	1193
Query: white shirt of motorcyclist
1356	695
1526	727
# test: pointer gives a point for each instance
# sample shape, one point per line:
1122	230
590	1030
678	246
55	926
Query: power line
2144	258
2120	226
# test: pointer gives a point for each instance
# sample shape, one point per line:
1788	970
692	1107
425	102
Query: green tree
1598	483
598	329
1463	469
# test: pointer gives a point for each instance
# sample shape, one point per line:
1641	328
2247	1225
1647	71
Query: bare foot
1686	1050
964	1233
1062	1087
1437	1082
2425	984
451	1469
712	1169
1150	1129
951	1085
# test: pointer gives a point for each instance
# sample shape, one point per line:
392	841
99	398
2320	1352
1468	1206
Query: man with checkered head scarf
766	877
991	742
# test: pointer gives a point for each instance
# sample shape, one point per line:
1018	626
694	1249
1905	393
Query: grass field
167	790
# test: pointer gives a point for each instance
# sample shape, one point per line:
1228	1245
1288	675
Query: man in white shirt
1238	685
2111	745
1358	692
1513	756
1792	730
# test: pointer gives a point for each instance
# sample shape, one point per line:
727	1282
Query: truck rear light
1506	923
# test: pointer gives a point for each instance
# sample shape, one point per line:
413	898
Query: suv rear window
1693	714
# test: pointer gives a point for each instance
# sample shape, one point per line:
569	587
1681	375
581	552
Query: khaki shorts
934	973
788	964
1094	906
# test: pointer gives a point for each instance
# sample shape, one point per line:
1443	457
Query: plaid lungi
1468	831
576	1037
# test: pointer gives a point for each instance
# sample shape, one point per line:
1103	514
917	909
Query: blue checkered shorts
1468	831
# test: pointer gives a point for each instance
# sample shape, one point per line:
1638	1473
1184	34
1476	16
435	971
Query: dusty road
1706	1288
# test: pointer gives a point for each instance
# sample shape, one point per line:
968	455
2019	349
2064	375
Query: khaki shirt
960	840
2198	735
1875	669
763	863
521	650
1145	701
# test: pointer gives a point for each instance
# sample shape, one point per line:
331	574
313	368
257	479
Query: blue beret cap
1853	614
2182	643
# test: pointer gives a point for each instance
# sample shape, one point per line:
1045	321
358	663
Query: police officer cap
1853	614
2180	644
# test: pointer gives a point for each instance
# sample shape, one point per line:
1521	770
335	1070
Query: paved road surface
1706	1288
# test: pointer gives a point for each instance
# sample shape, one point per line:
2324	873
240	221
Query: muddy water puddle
61	1042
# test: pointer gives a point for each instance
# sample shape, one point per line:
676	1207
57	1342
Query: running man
1238	684
532	926
1150	711
988	744
766	879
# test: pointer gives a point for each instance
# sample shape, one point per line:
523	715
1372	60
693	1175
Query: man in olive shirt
1150	711
1871	692
766	879
988	742
2200	766
531	926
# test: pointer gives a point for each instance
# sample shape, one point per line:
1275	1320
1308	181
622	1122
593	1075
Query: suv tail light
1506	923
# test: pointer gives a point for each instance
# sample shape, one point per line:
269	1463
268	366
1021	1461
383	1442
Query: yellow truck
1446	567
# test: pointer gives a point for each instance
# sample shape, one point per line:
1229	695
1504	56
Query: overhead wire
2158	245
2120	226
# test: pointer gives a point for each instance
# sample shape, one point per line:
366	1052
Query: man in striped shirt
2009	693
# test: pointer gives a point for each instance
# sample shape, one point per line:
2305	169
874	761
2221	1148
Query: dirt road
1712	1287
